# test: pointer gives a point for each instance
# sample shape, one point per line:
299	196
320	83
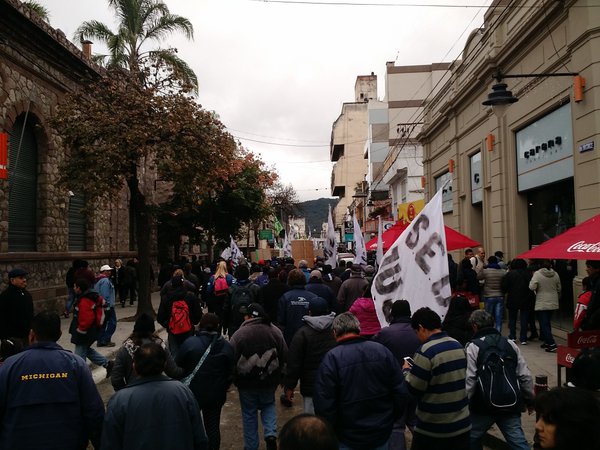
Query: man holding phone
440	364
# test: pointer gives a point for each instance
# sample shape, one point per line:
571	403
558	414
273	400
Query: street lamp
499	99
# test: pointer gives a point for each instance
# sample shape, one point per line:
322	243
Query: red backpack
221	286
180	321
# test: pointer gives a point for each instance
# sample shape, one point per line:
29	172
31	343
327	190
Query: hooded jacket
364	310
546	285
308	347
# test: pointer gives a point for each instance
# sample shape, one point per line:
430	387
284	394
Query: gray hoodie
546	285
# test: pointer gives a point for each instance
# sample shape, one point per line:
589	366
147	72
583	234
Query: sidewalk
124	329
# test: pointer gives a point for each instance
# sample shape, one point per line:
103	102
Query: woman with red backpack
217	290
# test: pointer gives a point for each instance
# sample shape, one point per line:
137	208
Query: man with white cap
105	288
16	307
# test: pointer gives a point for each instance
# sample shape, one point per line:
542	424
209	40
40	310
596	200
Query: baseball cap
105	267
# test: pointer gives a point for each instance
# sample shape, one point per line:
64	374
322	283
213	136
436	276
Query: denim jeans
252	401
407	421
383	446
85	351
512	324
495	306
544	318
309	406
509	425
110	326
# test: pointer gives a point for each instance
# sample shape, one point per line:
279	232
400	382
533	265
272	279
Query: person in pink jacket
364	310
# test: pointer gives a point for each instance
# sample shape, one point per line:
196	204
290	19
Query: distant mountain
315	212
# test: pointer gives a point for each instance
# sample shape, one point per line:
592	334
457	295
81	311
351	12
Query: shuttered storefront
22	179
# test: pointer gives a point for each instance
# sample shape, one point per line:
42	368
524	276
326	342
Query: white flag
360	250
236	253
226	254
330	246
415	268
379	254
287	247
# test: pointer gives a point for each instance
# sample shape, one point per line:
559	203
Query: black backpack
497	382
240	296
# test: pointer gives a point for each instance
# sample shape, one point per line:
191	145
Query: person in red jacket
87	324
583	302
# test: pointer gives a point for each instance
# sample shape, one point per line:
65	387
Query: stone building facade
42	228
526	172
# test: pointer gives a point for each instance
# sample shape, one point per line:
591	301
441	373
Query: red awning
454	239
580	242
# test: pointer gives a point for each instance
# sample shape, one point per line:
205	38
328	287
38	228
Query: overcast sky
278	73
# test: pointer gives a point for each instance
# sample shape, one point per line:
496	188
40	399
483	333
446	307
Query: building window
22	182
445	180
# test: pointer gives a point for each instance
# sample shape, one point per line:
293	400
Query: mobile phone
409	360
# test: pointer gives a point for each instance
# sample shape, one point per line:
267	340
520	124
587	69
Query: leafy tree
140	22
221	210
122	133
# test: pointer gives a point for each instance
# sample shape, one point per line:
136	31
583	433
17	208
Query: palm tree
140	21
40	10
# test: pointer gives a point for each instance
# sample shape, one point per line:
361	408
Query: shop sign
545	150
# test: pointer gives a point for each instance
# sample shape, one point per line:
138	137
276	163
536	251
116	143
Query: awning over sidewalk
580	242
454	239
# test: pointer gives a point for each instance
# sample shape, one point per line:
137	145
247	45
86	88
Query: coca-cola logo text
584	247
586	340
569	358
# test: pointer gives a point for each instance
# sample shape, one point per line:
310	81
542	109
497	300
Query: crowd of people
276	325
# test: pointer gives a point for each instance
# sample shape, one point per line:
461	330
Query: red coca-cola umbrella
454	239
580	242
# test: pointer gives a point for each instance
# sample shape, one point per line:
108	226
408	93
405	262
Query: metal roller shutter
77	223
22	179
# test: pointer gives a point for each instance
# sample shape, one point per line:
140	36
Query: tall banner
360	251
379	254
236	253
415	268
287	247
330	246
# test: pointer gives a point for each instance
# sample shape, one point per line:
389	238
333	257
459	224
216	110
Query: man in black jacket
16	307
309	346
